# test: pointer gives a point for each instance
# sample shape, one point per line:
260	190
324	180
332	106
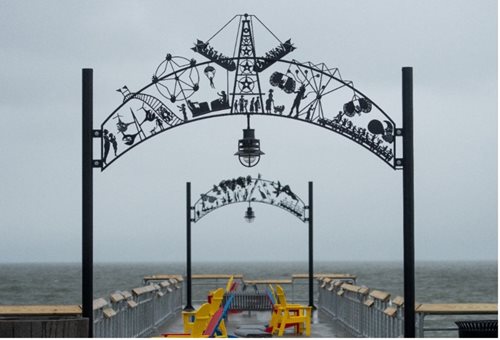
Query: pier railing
362	312
296	286
138	313
437	319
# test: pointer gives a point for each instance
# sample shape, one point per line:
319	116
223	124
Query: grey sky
139	201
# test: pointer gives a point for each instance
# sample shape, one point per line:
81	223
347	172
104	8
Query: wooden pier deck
322	325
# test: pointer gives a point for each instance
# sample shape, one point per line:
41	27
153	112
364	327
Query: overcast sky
139	202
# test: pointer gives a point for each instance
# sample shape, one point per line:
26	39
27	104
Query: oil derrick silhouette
246	81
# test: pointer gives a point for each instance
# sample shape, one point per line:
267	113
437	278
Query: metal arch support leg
189	302
408	205
311	259
87	199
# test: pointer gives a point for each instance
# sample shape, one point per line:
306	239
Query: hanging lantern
249	214
249	147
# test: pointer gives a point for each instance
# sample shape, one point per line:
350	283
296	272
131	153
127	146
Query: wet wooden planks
63	328
42	321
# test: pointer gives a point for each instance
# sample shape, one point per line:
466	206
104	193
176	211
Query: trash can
477	329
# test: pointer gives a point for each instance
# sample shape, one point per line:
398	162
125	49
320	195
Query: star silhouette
246	83
246	50
246	66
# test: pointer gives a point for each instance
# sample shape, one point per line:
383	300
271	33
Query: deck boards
322	324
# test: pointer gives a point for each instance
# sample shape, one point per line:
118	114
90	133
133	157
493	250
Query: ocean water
436	282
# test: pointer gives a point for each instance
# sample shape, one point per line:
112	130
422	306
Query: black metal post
408	204
311	264
87	198
189	304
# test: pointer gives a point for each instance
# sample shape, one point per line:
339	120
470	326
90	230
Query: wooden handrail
277	282
163	277
194	276
332	276
40	310
216	276
457	308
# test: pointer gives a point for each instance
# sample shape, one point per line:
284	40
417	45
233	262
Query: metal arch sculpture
307	92
249	190
144	113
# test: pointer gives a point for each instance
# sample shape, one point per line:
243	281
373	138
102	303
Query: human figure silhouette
257	104
112	139
242	104
297	100
159	123
269	101
245	104
223	97
106	144
252	105
309	111
182	108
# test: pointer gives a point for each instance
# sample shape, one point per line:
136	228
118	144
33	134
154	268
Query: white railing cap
126	294
380	295
99	303
108	312
116	297
164	284
143	290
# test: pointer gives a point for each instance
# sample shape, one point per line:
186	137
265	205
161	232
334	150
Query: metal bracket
398	162
306	208
97	133
97	163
